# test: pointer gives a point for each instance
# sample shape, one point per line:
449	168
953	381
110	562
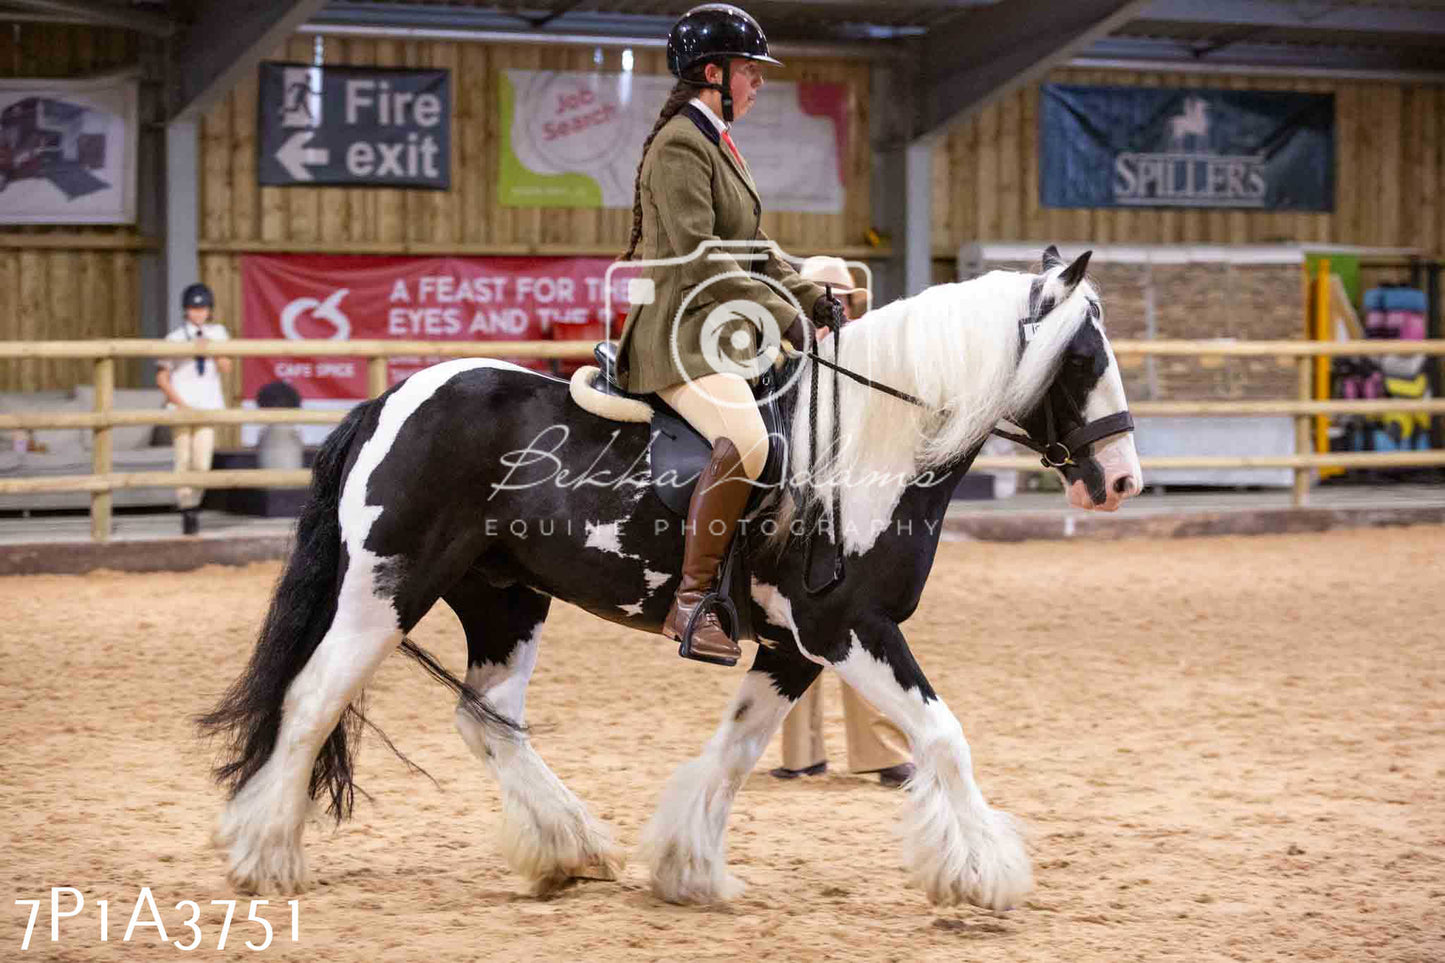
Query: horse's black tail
248	717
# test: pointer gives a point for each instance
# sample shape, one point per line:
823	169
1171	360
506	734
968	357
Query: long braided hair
676	100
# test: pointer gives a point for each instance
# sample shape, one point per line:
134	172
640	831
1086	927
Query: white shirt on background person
199	389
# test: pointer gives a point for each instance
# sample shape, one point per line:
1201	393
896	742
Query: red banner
342	298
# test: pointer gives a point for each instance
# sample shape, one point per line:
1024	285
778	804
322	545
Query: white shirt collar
707	112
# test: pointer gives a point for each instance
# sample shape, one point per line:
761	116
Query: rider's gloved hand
828	312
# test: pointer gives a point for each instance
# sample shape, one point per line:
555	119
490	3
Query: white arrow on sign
295	156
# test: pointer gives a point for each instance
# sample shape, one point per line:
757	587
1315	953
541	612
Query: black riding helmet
197	296
716	33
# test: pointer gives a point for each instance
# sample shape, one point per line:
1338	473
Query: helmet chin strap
727	91
725	88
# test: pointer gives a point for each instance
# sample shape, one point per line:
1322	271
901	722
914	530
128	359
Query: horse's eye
1080	361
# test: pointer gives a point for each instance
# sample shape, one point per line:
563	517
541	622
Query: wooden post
376	377
1305	367
1323	323
100	450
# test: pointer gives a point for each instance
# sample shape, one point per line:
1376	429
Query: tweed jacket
694	190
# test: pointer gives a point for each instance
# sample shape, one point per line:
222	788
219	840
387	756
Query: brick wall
1226	296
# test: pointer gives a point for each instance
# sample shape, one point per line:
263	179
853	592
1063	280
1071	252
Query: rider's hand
828	312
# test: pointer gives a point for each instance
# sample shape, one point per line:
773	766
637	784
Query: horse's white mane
956	348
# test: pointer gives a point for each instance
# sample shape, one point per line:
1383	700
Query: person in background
874	743
194	384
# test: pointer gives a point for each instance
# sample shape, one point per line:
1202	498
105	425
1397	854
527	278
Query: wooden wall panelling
1386	120
122	274
478	157
9	52
32	314
64	315
985	172
1422	143
1420	187
245	193
1352	175
945	216
9	293
216	172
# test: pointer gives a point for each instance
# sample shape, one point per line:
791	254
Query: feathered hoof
263	867
689	877
605	867
551	848
981	861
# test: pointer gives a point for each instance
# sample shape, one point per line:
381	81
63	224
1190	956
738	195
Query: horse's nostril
1124	486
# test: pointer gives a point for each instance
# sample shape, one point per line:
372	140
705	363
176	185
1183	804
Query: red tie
734	148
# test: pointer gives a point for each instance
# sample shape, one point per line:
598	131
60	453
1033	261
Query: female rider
699	340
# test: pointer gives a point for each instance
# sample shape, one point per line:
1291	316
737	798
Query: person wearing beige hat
874	743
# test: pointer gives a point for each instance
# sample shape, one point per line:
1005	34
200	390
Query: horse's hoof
606	868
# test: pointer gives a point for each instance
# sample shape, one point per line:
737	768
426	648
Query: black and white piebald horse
485	485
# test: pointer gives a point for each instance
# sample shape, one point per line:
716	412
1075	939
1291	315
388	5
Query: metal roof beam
983	54
1286	14
99	13
1271	55
576	26
227	39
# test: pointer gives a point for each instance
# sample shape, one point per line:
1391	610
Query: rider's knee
754	453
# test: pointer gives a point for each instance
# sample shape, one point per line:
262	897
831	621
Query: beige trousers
873	742
194	448
722	406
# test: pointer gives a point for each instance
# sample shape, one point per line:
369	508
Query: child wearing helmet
194	384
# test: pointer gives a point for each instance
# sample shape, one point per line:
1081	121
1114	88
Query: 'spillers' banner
345	298
68	150
322	126
572	139
1153	147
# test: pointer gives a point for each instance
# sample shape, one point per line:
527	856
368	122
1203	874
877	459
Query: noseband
1059	452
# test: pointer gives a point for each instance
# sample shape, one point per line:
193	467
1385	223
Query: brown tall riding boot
712	517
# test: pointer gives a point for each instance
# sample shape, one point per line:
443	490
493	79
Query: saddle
679	452
677	456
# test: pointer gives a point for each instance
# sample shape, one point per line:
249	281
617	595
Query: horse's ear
1051	258
1074	273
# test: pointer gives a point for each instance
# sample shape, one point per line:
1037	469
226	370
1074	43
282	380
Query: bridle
1054	452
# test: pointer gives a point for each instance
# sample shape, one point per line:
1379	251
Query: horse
451	487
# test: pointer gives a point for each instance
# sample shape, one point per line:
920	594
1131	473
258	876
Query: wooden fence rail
103	353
